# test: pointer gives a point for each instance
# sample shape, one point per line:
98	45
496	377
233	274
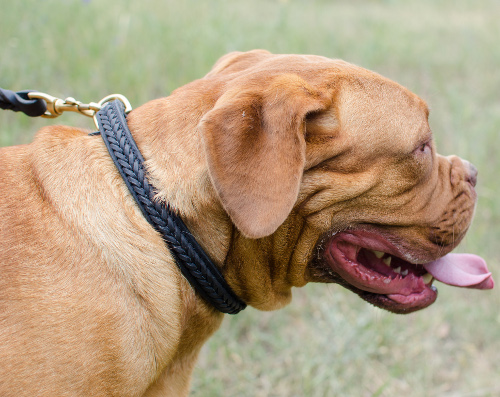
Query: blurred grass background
327	342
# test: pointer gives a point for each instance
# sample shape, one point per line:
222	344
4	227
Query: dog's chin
368	264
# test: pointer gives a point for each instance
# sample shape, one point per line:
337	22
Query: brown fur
262	157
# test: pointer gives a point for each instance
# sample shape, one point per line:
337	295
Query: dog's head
330	173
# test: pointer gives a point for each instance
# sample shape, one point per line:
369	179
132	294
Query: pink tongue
461	270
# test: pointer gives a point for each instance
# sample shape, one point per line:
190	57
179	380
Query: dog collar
193	262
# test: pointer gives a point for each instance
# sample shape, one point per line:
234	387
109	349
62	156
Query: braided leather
191	259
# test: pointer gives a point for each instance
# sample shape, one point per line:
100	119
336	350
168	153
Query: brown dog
286	168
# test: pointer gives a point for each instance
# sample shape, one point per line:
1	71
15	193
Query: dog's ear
255	148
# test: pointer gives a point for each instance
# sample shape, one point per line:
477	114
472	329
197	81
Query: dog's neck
203	275
162	141
159	133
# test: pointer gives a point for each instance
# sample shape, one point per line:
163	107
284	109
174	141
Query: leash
110	118
21	102
34	104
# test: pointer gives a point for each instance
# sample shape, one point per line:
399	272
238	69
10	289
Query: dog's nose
462	171
472	176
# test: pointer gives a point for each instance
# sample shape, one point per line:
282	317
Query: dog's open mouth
374	268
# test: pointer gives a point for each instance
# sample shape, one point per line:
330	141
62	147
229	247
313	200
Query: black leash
195	265
20	102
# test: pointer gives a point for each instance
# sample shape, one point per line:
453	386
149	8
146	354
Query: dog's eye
424	148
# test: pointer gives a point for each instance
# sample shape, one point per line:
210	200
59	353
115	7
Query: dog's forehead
368	106
323	74
363	102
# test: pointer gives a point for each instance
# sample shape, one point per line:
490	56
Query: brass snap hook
56	106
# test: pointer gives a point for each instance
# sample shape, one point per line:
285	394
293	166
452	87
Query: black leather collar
193	262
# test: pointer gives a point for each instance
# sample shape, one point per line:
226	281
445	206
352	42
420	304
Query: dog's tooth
404	272
387	281
427	277
397	270
378	254
387	260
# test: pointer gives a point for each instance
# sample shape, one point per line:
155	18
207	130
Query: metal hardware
109	98
56	106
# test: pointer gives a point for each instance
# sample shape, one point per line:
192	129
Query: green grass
327	342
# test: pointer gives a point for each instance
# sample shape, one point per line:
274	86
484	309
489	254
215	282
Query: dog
287	169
